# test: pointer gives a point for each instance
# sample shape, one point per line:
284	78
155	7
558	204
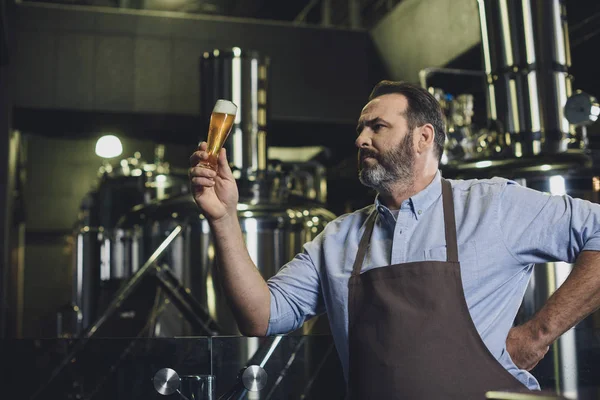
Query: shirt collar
420	202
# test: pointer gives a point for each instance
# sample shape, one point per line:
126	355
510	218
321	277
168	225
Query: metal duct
526	60
242	77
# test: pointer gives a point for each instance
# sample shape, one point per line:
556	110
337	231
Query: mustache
364	153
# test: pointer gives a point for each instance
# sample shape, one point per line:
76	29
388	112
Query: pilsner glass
221	121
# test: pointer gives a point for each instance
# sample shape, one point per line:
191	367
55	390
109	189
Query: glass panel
284	367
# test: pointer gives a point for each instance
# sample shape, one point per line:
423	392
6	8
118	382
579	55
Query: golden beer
221	121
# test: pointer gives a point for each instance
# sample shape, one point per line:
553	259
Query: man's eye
376	127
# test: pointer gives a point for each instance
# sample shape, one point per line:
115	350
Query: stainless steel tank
569	367
104	255
526	59
536	136
279	211
279	208
273	233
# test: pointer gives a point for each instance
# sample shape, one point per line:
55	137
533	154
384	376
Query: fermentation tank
273	231
105	256
275	220
535	134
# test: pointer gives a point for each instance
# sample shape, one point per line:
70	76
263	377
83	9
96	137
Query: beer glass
221	122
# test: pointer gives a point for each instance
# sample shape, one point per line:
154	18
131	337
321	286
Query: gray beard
394	169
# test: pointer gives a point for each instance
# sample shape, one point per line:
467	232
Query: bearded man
422	287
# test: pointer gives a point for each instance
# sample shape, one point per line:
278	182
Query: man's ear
426	135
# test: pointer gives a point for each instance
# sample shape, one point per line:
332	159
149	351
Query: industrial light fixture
109	146
483	164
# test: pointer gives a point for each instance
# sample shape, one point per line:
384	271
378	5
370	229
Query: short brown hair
422	108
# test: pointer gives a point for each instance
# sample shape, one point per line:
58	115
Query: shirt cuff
277	323
593	244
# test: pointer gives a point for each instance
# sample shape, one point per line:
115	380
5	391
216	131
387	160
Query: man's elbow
253	330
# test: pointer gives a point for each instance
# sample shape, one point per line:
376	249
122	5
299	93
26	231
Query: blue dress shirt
503	229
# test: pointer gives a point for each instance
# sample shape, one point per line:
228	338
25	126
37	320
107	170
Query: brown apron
410	332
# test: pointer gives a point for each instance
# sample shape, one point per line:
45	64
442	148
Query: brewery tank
536	136
275	222
104	255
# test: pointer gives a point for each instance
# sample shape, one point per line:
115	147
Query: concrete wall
148	62
425	33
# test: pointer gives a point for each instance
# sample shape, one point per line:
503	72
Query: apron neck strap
449	223
364	242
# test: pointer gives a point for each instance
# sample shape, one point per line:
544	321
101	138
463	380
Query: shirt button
420	212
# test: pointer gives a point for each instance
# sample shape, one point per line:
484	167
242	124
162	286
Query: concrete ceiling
289	10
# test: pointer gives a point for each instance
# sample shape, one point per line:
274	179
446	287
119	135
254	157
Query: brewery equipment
275	223
274	233
279	208
535	133
142	210
137	204
104	255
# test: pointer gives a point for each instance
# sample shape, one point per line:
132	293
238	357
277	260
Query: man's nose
363	140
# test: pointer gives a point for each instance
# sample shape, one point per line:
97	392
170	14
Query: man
422	288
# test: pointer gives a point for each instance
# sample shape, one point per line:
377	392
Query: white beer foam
225	107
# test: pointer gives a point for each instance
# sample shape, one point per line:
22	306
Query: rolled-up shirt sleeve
296	291
538	227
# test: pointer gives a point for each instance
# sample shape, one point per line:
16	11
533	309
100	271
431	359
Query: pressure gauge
581	109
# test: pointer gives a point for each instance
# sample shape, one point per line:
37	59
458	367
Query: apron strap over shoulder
449	222
364	243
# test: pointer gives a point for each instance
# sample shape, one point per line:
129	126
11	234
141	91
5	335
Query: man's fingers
194	159
203	177
202	172
202	181
198	156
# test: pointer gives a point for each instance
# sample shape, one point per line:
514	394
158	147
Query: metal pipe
134	280
526	59
242	77
326	12
85	276
354	14
566	345
193	311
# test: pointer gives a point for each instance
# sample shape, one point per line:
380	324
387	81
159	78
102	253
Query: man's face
386	149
